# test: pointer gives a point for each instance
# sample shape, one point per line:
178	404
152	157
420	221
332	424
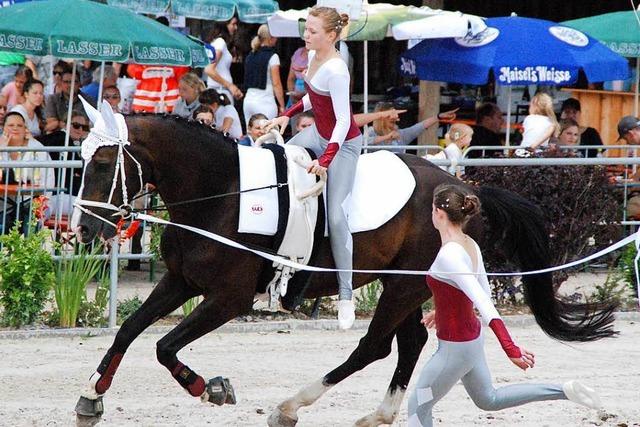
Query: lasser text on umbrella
539	74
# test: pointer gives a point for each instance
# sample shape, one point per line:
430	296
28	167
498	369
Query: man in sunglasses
57	104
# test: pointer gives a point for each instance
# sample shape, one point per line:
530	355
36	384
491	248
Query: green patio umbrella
620	31
251	11
87	30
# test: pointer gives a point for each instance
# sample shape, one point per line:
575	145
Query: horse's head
112	176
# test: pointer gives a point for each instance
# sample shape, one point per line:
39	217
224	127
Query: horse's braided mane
191	124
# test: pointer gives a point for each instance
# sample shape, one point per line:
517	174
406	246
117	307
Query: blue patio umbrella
518	51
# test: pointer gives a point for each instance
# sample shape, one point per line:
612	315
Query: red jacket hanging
157	91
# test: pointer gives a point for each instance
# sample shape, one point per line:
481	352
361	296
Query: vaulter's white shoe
581	394
346	314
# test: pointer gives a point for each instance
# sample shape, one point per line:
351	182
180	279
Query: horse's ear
93	114
109	119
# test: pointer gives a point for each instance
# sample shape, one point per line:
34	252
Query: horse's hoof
219	391
83	421
280	419
90	407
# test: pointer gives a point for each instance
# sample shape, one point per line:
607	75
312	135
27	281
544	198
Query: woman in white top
262	78
457	139
226	117
219	71
31	108
541	123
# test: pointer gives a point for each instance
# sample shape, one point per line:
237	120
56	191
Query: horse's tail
518	226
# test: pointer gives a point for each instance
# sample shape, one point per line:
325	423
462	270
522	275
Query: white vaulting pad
258	209
382	187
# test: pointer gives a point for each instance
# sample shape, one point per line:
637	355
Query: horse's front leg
213	312
170	293
393	307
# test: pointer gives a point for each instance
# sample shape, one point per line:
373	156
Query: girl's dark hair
459	203
212	96
30	83
64	66
220	30
24	71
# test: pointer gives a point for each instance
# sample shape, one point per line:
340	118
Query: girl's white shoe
581	394
346	314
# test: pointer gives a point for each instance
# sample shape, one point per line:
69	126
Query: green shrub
26	275
367	297
91	313
188	306
127	307
627	268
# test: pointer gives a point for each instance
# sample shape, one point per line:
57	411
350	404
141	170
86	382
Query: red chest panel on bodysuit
325	116
455	317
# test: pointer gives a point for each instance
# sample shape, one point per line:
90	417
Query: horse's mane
192	130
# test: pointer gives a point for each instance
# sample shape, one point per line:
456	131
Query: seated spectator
9	64
457	139
226	117
541	123
3	111
255	129
262	77
79	130
385	130
110	78
57	105
204	114
295	80
59	69
189	88
31	108
15	135
13	91
111	94
588	135
487	131
304	120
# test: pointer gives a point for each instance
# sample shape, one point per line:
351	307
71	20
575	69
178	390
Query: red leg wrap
188	379
104	382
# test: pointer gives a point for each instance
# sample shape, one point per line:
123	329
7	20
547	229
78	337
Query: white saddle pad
382	187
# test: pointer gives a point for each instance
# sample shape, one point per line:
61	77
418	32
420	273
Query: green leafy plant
127	307
190	305
73	273
91	313
367	300
26	274
627	268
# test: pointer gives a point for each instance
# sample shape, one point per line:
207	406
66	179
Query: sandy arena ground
40	380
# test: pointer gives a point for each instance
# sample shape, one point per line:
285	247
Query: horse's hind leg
395	304
411	337
169	294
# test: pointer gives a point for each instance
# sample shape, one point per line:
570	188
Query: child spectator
457	139
255	129
204	115
226	116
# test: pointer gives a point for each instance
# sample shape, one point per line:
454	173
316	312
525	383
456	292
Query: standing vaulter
335	138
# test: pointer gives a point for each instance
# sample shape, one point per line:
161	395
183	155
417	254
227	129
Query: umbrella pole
99	100
635	96
506	142
365	109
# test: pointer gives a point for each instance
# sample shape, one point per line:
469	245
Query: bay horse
187	161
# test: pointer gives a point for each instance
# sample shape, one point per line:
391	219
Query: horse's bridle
90	145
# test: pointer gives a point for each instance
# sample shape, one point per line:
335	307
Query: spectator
158	90
111	94
57	105
297	71
588	135
204	115
385	129
541	123
305	119
15	135
110	78
457	139
226	116
59	70
31	108
629	130
190	87
14	91
487	131
262	77
9	64
219	71
255	129
3	111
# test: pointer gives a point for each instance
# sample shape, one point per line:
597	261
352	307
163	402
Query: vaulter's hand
429	320
315	168
281	121
527	360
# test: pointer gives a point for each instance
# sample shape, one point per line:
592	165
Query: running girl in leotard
335	138
460	354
